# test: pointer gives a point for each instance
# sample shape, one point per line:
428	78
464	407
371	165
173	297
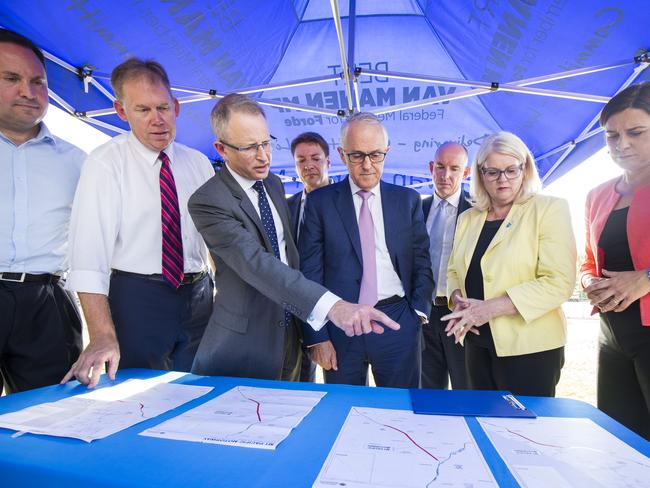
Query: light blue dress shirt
37	186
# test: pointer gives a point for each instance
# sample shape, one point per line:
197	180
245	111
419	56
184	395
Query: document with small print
244	416
102	412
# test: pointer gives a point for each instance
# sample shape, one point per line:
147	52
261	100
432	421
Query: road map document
102	412
397	448
566	452
244	416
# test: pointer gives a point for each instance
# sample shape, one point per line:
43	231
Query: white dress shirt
388	282
447	241
116	215
318	316
38	183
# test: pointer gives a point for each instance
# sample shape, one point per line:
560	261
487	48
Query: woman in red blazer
616	270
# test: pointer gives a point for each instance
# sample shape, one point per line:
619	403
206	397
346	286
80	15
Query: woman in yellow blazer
512	265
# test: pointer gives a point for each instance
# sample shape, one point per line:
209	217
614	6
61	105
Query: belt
188	278
440	301
389	301
29	278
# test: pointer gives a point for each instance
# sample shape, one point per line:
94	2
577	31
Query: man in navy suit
442	358
365	240
311	155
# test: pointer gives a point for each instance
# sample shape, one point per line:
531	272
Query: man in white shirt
365	240
311	154
442	358
40	326
243	216
137	262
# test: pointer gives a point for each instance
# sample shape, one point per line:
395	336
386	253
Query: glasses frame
520	167
255	147
366	155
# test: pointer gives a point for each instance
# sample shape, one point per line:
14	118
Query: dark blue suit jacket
294	209
462	205
330	247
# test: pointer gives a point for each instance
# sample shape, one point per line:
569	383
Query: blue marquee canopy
434	70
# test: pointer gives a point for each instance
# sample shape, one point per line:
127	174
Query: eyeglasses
375	157
493	174
251	151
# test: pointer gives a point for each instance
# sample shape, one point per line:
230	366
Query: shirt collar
453	200
375	190
44	135
245	183
147	154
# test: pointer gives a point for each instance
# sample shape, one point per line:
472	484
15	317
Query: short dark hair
311	138
11	37
634	96
134	68
234	102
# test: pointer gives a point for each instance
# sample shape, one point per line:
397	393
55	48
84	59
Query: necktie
368	290
172	241
269	227
436	235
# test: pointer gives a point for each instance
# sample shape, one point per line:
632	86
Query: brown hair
234	102
310	138
134	68
634	96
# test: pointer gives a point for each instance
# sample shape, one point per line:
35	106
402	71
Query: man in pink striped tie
365	240
137	261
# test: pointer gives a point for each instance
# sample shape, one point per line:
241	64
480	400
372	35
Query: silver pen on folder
514	402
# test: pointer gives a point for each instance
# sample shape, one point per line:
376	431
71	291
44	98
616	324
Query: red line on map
257	408
413	441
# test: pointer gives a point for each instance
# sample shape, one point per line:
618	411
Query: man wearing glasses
243	216
365	240
137	261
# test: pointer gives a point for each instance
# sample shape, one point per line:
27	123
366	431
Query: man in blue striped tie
137	261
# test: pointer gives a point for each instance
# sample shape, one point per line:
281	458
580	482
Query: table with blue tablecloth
128	459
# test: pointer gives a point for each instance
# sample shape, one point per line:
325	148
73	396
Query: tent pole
637	72
516	87
352	29
339	35
68	108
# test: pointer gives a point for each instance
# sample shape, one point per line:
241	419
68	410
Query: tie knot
258	186
364	194
442	204
163	157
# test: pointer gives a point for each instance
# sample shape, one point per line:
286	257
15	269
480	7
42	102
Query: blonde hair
511	145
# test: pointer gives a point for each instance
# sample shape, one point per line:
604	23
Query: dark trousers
40	334
534	374
394	355
441	357
307	366
624	373
157	326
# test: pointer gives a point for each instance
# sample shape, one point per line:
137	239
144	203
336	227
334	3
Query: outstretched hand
101	350
355	319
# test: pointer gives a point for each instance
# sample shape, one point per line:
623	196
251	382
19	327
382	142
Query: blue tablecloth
127	459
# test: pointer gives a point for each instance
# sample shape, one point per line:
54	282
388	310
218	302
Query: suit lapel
345	207
508	223
245	204
390	209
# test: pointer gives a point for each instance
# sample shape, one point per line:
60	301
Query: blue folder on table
471	403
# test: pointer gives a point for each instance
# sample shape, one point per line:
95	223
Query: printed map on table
244	416
104	411
566	452
397	448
